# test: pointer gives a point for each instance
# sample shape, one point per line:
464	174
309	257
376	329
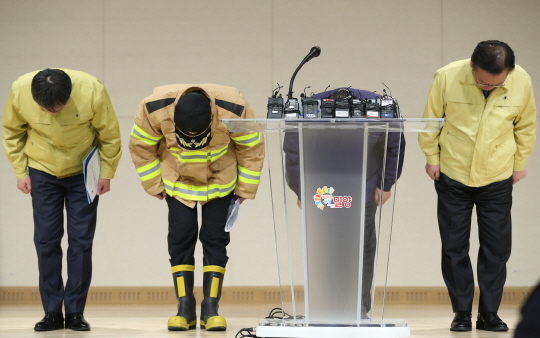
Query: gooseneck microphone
313	53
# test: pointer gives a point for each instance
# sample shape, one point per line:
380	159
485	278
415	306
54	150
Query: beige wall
133	46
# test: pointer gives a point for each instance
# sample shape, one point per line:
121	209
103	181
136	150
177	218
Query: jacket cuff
155	190
21	176
244	194
519	166
433	159
106	173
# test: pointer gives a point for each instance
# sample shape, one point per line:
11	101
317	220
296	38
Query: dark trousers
454	210
49	195
370	242
183	231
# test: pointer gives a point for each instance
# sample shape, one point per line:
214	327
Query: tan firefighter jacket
230	162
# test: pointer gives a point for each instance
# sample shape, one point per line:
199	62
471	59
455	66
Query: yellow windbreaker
58	144
483	140
230	162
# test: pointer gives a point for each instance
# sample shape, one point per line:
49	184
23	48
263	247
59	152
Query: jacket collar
467	76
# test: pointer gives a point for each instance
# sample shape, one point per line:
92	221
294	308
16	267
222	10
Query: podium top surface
415	125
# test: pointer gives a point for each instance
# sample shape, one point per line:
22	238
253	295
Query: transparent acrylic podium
332	240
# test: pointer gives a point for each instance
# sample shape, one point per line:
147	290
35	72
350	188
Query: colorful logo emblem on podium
325	196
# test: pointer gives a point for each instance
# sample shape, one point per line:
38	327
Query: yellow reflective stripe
145	134
215	154
151	143
248	176
214	288
198	193
180	286
183	158
175	149
244	137
247	180
140	134
178	268
199	156
218	190
192	156
248	140
249	172
189	192
195	153
152	175
148	166
214	268
185	196
150	170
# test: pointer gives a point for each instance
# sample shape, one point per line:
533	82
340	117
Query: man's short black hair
494	57
51	88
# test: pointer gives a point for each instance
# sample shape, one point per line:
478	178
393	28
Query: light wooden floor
151	321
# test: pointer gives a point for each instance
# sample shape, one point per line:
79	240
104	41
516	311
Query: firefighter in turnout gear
184	154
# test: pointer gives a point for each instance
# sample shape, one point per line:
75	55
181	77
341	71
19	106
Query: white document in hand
91	170
232	215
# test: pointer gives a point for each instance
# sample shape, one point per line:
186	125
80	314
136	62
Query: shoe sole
215	328
55	328
462	329
178	328
481	326
80	329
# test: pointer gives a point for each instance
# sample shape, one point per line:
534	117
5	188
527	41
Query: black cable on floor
246	332
274	314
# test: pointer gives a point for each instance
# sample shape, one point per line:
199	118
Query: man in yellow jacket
52	121
183	153
480	152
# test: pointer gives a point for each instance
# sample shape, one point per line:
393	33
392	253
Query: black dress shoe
462	321
489	321
51	321
76	322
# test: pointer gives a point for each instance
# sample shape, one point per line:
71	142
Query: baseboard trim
249	294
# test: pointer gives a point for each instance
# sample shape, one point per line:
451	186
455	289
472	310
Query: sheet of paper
91	170
232	215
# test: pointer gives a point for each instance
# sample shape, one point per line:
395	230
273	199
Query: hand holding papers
232	215
91	170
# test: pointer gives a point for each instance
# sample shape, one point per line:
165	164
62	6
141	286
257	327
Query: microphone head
313	53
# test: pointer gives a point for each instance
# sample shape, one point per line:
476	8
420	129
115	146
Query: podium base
387	328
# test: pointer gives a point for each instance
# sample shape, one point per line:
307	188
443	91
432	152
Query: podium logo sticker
325	196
